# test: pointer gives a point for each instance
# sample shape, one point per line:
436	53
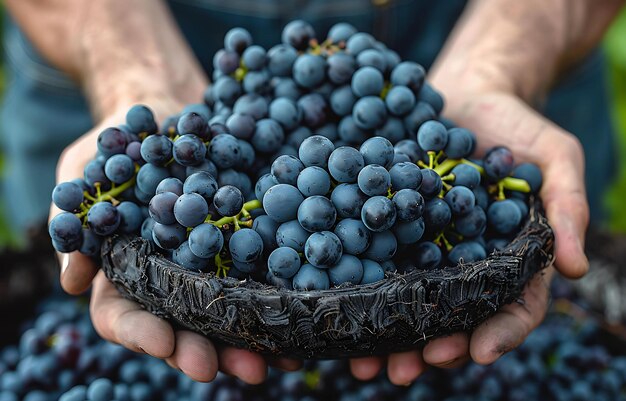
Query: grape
472	224
133	150
341	67
409	204
341	32
266	228
504	216
254	58
286	112
280	60
205	240
90	245
314	110
498	163
317	213
201	183
328	131
268	136
531	174
147	227
400	100
226	61
437	214
345	163
170	184
297	137
348	200
256	82
284	262
378	213
409	74
237	39
119	168
65	229
189	150
228	200
392	130
372	58
461	200
248	155
227	90
310	278
523	207
156	149
190	209
429	95
466	175
206	166
350	133
372	272
67	196
354	236
281	202
482	197
192	124
377	150
342	100
358	42
94	174
348	270
405	175
286	169
369	113
431	184
322	250
111	141
410	148
130	217
460	144
315	151
421	113
409	232
374	180
286	87
284	283
432	136
103	218
467	252
251	104
265	182
100	390
309	70
291	234
198	108
367	81
298	34
427	256
313	181
383	246
241	126
245	245
224	151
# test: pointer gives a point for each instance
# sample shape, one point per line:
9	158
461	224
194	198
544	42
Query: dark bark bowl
395	314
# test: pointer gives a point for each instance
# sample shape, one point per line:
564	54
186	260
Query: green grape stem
109	195
247	207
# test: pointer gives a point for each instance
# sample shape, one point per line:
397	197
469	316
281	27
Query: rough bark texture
398	313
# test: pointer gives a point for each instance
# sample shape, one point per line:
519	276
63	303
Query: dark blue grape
100	390
226	61
297	137
254	58
317	213
284	262
248	155
348	200
341	67
409	204
280	60
298	34
90	244
523	207
170	184
310	278
531	173
291	234
372	58
392	130
348	270
378	214
354	236
409	232
400	158
323	249
146	228
65	229
467	252
431	184
313	181
405	175
286	169
253	105
341	32
268	136
437	215
358	42
227	90
409	74
350	133
432	136
201	183
461	200
504	216
156	149
314	110
241	126
472	224
383	247
345	163
130	217
228	200
372	272
377	150
257	82
206	166
281	202
342	100
245	245
374	180
265	182
205	240
286	112
190	209
119	168
315	151
189	150
427	256
193	124
67	196
421	113
237	39
284	283
410	148
400	100
482	197
466	175
498	163
224	151
133	150
103	218
94	175
460	143
309	70
286	87
429	95
328	131
111	141
198	108
367	81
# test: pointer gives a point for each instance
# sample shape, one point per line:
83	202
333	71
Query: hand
122	321
499	118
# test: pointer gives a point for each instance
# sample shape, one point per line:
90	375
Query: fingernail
65	262
448	363
407	384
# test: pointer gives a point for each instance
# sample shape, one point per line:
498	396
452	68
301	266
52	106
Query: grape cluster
309	165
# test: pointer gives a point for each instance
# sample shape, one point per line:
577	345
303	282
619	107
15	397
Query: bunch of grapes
307	166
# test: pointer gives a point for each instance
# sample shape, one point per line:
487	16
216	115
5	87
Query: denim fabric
44	111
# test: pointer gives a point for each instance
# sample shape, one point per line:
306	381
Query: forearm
519	46
120	51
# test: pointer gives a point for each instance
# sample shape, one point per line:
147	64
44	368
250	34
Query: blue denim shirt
44	111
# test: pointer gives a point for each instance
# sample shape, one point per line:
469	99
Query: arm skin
123	53
500	61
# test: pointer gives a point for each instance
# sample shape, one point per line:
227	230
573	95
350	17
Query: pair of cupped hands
495	116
